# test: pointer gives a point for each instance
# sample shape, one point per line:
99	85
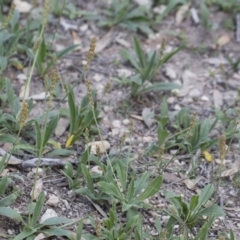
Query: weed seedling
146	66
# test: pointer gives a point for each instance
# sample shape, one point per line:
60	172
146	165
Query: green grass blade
139	52
38	209
51	126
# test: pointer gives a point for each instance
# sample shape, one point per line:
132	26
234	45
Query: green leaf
168	56
60	152
4	202
122	171
194	202
130	192
56	220
58	232
12	98
152	188
164	115
203	232
151	69
128	56
162	134
79	230
231	235
205	194
7	138
139	52
42	52
26	232
88	178
3	63
214	211
51	126
3	184
161	87
68	169
11	213
38	137
72	108
140	183
111	189
67	50
38	209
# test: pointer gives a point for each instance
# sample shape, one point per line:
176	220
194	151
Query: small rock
115	131
205	98
48	214
40	171
84	27
97	77
65	203
236	76
128	140
170	73
7	146
171	100
62	125
53	200
107	109
10	232
123	72
22	78
160	9
165	218
168	49
37	189
116	123
96	169
195	93
195	16
177	107
40	236
126	122
148	139
103	146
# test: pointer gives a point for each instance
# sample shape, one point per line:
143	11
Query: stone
126	122
116	123
170	73
103	146
53	200
48	214
195	93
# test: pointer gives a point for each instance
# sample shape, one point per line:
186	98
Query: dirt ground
198	68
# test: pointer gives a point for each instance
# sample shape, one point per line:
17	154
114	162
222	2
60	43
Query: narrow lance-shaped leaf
152	188
72	108
38	209
38	138
111	189
140	53
87	178
51	126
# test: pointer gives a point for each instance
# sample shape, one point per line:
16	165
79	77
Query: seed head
91	53
89	89
46	10
23	115
163	46
9	17
107	87
37	44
